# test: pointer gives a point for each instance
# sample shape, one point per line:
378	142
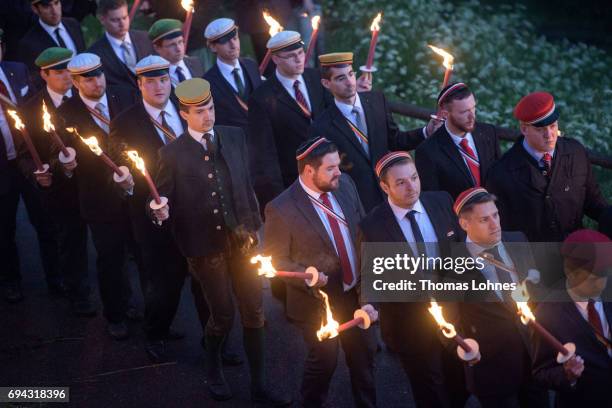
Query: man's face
290	63
402	184
116	22
343	83
327	176
462	113
482	224
586	284
90	87
229	51
58	80
155	90
173	50
200	118
542	139
50	13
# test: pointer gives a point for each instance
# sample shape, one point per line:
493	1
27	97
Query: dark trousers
221	275
72	246
359	348
528	396
19	186
111	240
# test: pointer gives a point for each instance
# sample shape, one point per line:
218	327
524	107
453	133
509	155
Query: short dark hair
477	199
458	95
326	72
104	6
396	162
315	158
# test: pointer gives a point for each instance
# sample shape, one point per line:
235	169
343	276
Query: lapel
284	97
376	144
91	123
111	59
224	86
344	200
44	36
231	155
10	77
450	149
482	148
192	66
302	202
573	315
253	74
341	124
435	216
526	169
148	128
74	35
560	164
392	227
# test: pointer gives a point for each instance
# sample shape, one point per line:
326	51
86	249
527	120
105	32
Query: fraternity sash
242	103
360	135
327	210
98	116
165	131
304	109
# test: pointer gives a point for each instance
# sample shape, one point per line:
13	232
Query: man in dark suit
168	42
314	223
232	79
51	30
14	86
459	154
544	183
89	113
580	315
213	215
120	48
488	316
360	124
425	222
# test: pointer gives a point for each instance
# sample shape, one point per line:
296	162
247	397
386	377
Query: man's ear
384	187
183	114
463	223
325	83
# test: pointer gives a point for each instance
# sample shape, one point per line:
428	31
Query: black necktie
59	38
210	145
180	75
239	83
64	98
416	231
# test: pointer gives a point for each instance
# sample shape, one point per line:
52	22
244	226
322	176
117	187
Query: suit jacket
133	130
17	75
277	126
485	318
564	321
182	178
98	199
404	324
441	166
194	65
296	238
228	110
36	40
383	136
546	211
117	73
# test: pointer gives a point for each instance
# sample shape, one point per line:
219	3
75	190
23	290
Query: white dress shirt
288	85
226	71
92	105
5	125
489	271
174	76
62	32
582	305
116	45
172	118
346	233
199	136
425	225
457	140
58	98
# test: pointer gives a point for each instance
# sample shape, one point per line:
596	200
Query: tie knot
325	198
296	84
237	71
178	68
547	157
464	143
356	110
411	213
494	251
208	136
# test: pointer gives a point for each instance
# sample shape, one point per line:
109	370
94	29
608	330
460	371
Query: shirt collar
456	138
117	42
533	153
92	103
51	29
181	64
309	191
155	112
226	69
476	249
346	109
287	82
56	97
401	212
198	136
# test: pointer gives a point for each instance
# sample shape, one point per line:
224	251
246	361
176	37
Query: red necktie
547	160
471	160
345	263
299	96
594	319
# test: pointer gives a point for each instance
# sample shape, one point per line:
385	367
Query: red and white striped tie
471	160
345	263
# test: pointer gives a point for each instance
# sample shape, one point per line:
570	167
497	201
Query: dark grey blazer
296	238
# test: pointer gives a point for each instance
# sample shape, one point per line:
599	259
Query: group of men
305	166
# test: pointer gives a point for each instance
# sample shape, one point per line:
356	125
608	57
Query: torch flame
448	58
375	26
18	123
266	269
521	296
448	330
315	21
93	145
275	27
47	124
138	161
187	5
330	329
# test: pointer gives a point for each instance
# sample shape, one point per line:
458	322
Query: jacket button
218	227
566	188
207	158
214	193
210	175
215	211
547	197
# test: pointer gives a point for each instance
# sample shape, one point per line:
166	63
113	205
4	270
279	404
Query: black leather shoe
84	308
156	350
269	399
58	289
13	293
133	314
174	335
118	331
227	357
